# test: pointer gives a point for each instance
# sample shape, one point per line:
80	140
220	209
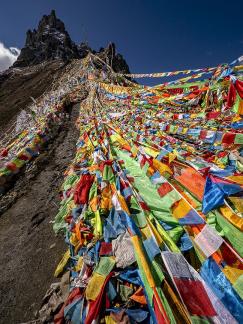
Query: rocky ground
29	250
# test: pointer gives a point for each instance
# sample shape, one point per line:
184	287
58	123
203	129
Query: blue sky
153	35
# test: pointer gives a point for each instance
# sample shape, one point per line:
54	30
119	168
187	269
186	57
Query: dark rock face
83	50
50	41
115	60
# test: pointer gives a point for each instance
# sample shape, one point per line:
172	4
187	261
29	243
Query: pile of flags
152	206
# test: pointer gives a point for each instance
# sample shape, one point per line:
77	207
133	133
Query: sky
152	35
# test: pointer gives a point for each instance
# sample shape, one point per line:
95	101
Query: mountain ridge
51	41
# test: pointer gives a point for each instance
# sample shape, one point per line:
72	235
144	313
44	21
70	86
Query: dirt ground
29	250
17	88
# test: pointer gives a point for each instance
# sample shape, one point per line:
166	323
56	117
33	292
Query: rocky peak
51	21
50	41
114	59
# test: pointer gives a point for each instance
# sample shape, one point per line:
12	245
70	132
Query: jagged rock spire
49	41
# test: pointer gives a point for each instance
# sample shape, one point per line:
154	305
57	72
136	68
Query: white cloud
7	56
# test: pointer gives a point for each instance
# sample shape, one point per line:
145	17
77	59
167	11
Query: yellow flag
62	263
172	157
161	167
94	286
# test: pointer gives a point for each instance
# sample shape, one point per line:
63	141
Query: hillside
142	184
32	197
18	85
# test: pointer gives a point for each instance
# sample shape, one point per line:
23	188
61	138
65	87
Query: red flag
195	297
